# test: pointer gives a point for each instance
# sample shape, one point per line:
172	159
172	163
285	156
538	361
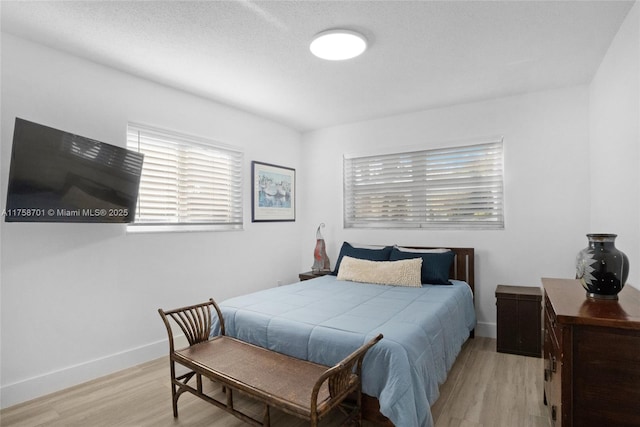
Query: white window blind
455	187
186	181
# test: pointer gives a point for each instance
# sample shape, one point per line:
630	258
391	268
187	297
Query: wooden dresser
592	356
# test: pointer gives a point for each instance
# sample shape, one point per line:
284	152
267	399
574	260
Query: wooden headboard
462	267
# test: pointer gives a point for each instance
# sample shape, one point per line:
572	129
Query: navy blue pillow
381	254
435	266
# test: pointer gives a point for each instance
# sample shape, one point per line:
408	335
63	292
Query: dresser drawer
551	323
552	365
552	355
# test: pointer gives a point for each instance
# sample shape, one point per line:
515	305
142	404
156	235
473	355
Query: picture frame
273	196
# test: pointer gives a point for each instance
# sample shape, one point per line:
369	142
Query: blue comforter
325	319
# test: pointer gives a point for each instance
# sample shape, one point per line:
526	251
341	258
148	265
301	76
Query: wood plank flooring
484	389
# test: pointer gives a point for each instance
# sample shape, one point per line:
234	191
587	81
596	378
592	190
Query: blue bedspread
325	319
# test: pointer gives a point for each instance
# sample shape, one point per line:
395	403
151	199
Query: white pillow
405	272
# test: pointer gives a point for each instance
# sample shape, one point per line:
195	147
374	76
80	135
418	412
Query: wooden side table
519	318
312	275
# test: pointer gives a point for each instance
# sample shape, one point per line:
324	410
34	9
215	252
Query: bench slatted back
193	320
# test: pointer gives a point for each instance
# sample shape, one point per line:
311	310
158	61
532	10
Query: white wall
81	300
546	185
615	143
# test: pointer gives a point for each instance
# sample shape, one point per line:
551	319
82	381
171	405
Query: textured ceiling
254	55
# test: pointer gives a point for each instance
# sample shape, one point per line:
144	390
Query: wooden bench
298	387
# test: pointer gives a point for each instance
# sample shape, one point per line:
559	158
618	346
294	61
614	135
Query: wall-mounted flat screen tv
56	176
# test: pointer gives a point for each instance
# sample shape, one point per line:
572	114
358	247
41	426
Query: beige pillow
406	272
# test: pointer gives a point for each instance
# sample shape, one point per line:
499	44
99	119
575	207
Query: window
187	182
456	187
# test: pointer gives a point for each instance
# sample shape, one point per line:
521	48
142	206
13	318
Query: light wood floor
484	389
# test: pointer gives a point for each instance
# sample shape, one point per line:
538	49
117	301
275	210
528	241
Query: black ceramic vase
601	268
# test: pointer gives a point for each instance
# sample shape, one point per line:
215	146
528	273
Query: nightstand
312	275
519	318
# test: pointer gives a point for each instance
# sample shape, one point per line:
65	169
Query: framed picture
274	193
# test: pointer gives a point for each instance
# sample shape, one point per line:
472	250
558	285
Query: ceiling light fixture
337	45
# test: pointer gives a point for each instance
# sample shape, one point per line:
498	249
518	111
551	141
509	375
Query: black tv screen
56	176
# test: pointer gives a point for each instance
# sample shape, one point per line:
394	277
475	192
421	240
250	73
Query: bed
326	318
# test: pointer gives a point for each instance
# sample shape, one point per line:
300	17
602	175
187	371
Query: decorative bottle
320	258
601	267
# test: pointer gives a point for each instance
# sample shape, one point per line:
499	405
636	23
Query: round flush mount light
337	45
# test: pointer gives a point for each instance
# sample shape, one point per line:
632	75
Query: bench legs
266	419
174	394
229	393
179	385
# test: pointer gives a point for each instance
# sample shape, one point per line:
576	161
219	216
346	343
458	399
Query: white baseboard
31	388
488	330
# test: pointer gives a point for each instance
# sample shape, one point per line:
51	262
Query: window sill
180	228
